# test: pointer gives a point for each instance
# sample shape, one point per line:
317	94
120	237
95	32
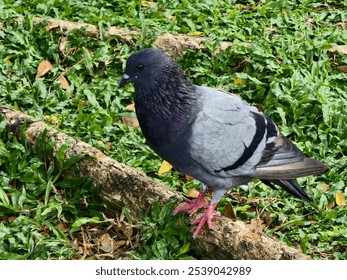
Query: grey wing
229	136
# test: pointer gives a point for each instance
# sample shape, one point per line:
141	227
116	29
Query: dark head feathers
151	67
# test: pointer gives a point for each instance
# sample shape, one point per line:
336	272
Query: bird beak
124	81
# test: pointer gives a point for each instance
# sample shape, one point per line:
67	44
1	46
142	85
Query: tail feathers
302	168
291	186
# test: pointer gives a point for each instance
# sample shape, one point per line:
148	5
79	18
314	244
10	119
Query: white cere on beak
125	76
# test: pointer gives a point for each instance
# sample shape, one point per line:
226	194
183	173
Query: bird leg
206	217
192	206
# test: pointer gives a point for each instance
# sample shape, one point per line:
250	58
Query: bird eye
140	67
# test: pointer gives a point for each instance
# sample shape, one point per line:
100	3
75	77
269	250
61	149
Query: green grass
280	52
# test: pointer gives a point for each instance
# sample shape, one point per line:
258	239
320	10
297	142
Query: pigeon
212	135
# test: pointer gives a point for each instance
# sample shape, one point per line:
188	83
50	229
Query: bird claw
192	206
205	218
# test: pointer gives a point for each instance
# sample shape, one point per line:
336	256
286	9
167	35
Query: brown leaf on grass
130	121
324	187
44	67
260	107
62	227
106	243
164	168
84	102
268	218
340	199
64	82
330	205
62	44
108	145
119	243
188	178
11	219
258	223
229	211
339	48
193	193
130	107
342	68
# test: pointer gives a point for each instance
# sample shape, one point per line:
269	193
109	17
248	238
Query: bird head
150	67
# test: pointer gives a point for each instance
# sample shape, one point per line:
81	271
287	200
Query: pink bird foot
192	206
206	217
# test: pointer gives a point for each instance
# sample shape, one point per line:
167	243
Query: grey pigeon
209	134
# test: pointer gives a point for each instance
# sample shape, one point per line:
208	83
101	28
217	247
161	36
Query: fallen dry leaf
130	107
148	4
84	102
170	17
195	33
62	227
106	243
130	121
193	193
188	178
340	48
164	168
62	44
258	224
229	211
108	145
239	81
330	205
64	83
260	107
44	67
268	218
52	119
342	68
119	243
11	219
340	198
325	187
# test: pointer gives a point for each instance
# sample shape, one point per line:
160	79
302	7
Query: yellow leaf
54	119
64	83
195	33
44	67
239	81
165	167
193	193
130	107
340	198
8	62
148	4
